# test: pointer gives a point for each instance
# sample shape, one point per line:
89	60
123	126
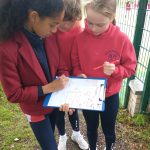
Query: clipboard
80	93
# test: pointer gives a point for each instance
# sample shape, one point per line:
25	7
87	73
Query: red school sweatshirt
65	41
90	51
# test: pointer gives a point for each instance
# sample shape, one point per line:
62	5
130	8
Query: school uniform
27	63
65	41
90	51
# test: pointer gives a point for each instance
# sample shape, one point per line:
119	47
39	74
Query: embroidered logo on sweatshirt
112	55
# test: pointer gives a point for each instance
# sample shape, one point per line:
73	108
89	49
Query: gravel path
121	144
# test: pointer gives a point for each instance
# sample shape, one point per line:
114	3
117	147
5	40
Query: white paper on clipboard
80	93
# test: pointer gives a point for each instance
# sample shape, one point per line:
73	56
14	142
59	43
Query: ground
133	133
125	137
15	133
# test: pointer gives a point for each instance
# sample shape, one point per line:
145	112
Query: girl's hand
65	108
82	76
56	85
108	68
71	111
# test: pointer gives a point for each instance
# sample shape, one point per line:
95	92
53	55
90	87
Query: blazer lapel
29	56
52	55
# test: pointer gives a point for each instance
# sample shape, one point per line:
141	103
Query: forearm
48	88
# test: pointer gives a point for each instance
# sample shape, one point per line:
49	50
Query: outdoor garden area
133	120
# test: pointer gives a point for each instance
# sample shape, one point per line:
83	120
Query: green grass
13	124
137	126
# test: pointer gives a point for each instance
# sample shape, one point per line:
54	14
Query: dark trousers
60	121
108	120
44	131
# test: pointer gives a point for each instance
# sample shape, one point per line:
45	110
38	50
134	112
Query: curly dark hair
14	13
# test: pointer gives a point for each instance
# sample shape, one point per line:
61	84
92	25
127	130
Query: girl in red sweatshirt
67	31
103	44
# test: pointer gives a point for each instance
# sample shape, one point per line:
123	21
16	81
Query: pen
98	67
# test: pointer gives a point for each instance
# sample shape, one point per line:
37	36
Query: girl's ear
113	18
33	17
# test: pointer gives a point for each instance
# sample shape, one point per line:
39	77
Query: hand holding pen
108	67
56	85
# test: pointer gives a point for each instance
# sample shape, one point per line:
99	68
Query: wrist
47	89
115	72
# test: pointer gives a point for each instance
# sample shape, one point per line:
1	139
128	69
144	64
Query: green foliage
139	125
137	120
141	120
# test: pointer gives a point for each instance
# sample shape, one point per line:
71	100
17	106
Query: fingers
108	68
82	76
61	82
108	65
64	107
71	111
64	79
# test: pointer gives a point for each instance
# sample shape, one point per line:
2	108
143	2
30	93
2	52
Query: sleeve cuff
40	91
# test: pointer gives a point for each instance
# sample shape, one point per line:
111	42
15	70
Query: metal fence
133	18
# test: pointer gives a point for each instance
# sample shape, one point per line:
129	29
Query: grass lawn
15	132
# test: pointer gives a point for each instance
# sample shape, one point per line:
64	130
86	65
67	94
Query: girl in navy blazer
29	60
